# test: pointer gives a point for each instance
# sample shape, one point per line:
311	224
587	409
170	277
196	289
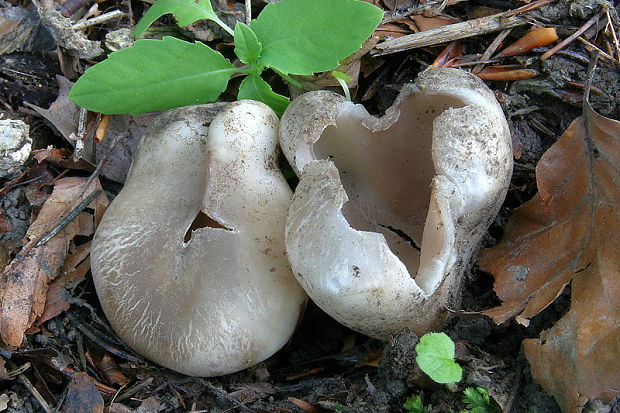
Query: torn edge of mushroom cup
389	211
211	300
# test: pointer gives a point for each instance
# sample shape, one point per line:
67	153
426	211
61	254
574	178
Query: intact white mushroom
225	299
389	210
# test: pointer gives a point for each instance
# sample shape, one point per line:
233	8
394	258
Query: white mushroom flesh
389	211
225	299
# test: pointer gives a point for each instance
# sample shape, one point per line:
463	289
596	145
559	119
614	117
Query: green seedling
414	404
477	400
291	37
342	79
435	356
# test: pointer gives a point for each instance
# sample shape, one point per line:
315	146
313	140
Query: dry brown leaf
24	282
427	23
306	406
36	174
73	271
82	395
62	158
127	129
569	232
110	370
390	30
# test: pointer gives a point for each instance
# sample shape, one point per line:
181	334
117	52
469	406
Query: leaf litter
25	281
58	298
568	233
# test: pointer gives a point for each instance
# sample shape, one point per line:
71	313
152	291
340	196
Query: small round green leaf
255	88
435	356
247	46
303	37
153	75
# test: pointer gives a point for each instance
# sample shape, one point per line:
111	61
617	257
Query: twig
495	44
529	7
227	396
98	20
135	389
390	17
475	62
35	393
513	393
68	218
79	341
595	49
451	32
570	38
248	12
78	152
614	36
106	346
19	370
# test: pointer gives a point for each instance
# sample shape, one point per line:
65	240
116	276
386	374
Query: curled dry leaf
24	283
568	232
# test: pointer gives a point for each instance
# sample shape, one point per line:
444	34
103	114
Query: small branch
595	49
69	218
451	32
391	16
570	38
98	20
107	346
135	389
529	7
495	44
614	36
248	12
35	393
220	392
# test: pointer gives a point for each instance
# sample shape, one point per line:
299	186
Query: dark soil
325	364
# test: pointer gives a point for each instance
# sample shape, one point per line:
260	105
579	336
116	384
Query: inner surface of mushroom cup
387	173
389	210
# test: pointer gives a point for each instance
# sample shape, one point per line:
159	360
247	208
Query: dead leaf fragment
306	406
73	271
82	395
577	359
24	283
17	29
568	232
126	129
62	158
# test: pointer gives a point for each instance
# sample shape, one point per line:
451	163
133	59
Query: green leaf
247	46
185	12
254	87
414	404
435	356
477	400
302	37
153	75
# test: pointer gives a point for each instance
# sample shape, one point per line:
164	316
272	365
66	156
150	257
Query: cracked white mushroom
225	299
389	210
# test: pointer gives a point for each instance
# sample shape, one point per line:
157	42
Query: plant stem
224	26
